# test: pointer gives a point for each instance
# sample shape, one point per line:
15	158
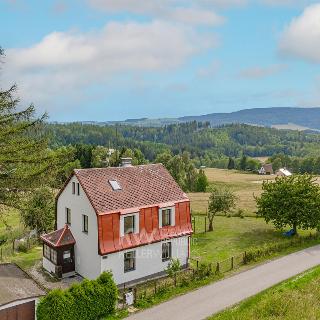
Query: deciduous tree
292	201
221	200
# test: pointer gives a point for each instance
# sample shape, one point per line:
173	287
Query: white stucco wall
87	259
48	265
148	260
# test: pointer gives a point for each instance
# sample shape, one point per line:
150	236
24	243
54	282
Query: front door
68	264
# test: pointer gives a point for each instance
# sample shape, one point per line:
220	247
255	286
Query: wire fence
11	247
199	270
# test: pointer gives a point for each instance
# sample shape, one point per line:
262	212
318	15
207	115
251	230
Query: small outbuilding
266	169
283	172
18	294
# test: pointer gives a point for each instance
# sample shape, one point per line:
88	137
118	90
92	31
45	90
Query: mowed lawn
231	237
245	186
295	299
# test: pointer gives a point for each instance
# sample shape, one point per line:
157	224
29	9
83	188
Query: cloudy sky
117	59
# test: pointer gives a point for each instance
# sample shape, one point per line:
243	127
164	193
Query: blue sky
117	59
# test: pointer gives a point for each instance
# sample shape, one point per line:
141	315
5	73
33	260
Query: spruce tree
26	162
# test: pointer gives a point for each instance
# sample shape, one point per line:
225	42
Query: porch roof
59	238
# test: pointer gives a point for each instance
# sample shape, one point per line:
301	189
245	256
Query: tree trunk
294	227
210	225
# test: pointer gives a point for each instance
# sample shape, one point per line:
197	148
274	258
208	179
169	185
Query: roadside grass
245	186
294	299
233	236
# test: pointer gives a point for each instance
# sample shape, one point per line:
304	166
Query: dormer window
115	185
129	224
166	217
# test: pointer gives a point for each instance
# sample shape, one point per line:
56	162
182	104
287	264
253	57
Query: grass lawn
27	260
232	236
295	299
10	217
245	185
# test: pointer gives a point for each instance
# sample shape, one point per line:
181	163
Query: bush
22	247
88	300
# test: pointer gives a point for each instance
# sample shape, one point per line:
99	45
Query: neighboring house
131	220
266	169
283	172
18	294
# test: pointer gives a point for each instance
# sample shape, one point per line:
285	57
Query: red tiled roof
141	186
59	238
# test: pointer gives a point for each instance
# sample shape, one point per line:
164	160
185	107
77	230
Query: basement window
115	185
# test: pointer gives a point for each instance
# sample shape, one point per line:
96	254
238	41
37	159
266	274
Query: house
131	220
283	172
266	169
18	294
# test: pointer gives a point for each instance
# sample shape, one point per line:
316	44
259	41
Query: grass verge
297	298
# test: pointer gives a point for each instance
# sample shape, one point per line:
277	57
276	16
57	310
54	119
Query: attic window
115	185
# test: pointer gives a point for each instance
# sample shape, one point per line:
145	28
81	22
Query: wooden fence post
232	263
135	292
13	246
155	287
194	224
245	257
218	267
205	224
1	252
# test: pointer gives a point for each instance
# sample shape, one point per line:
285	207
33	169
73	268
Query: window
166	217
73	188
53	256
129	224
129	261
115	185
166	251
67	256
68	216
46	252
85	223
78	189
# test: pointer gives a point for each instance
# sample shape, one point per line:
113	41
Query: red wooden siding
109	229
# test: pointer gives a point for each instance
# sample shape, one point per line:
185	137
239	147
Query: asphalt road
220	295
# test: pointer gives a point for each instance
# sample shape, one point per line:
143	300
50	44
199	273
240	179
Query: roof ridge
108	168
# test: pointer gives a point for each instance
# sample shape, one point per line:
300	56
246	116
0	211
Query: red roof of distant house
59	238
141	186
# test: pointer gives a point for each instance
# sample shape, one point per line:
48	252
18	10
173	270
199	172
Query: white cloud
262	72
301	38
63	63
289	3
188	12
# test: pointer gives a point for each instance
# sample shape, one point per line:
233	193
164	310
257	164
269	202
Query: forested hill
198	139
289	118
304	117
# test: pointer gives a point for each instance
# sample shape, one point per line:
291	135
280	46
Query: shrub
22	247
88	300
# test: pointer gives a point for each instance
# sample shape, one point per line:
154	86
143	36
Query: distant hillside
297	118
282	118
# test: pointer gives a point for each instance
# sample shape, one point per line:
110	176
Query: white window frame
78	189
172	217
83	223
68	221
136	223
134	257
169	245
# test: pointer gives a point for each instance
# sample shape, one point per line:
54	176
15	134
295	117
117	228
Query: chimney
126	162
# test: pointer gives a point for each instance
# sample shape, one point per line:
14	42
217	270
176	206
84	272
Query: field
245	185
231	237
295	299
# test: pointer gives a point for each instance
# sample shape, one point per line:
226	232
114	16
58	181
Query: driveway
220	295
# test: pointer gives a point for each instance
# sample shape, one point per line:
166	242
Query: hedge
88	300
